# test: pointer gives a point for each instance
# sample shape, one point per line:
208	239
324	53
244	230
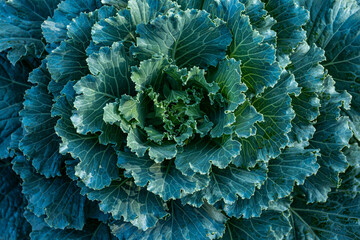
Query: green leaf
138	143
163	179
201	153
150	73
123	199
227	76
185	222
271	134
259	19
188	37
246	116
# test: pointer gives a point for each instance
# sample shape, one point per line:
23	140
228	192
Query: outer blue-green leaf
91	231
97	165
290	18
163	178
331	136
335	27
309	75
125	200
57	198
13	83
270	225
337	218
122	27
185	222
228	185
40	142
68	61
55	27
13	225
188	37
294	165
109	80
20	27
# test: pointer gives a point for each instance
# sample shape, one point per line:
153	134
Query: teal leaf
68	61
150	73
185	222
195	4
40	142
13	225
109	80
201	153
97	165
138	143
91	230
57	198
143	11
122	26
259	68
228	184
117	3
294	165
290	18
188	37
246	116
227	75
309	75
337	218
20	27
13	83
334	27
259	19
114	29
55	27
271	134
163	179
270	225
331	136
124	200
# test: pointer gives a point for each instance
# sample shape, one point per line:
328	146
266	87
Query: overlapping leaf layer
164	119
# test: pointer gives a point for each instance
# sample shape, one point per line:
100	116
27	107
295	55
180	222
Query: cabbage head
180	119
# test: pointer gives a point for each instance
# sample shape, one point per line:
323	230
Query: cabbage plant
187	119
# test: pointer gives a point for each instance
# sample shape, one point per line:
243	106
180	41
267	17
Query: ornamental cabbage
164	119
